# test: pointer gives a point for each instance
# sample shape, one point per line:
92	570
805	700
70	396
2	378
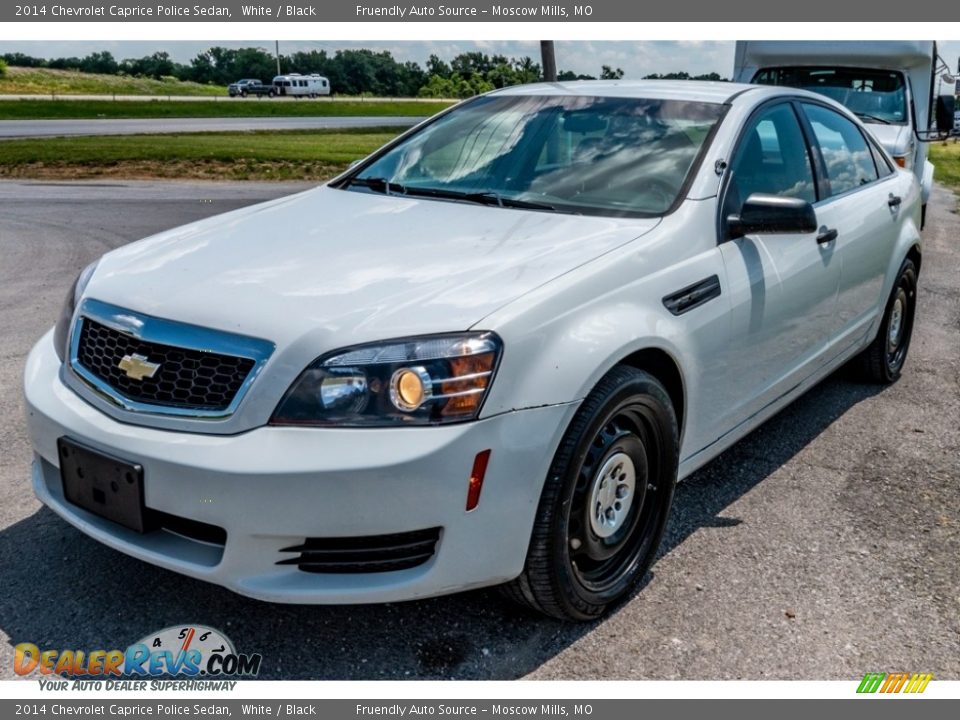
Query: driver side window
772	158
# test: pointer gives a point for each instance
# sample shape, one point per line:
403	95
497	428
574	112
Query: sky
635	58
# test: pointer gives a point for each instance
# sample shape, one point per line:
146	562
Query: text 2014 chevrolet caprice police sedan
485	354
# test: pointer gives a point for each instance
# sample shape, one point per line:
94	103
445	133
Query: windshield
874	95
589	155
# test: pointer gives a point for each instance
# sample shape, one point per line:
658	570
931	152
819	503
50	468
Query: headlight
62	331
421	381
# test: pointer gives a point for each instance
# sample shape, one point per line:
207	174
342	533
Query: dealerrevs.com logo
180	651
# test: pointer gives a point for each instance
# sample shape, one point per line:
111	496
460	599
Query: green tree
3	68
436	66
527	71
21	60
437	86
608	73
568	75
69	63
152	66
99	62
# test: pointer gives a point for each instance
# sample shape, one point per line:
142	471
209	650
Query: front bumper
272	487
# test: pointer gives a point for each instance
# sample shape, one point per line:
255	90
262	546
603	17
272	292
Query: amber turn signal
476	479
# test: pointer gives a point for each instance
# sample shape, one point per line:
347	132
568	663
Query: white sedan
485	354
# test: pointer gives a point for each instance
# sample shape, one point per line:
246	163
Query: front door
782	288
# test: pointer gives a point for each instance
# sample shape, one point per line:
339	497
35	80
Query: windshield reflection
589	155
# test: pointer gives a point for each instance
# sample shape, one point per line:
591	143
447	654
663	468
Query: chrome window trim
165	332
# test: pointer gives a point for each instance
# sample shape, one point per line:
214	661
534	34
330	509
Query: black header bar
473	11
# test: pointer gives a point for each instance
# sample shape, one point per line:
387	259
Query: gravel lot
823	546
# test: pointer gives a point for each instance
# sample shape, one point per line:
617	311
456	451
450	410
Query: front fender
562	338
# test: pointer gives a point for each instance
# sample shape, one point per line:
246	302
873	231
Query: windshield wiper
484	198
494	198
873	118
377	184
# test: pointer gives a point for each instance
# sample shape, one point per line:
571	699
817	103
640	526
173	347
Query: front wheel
882	361
606	500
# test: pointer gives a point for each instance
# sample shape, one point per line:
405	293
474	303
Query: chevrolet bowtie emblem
137	367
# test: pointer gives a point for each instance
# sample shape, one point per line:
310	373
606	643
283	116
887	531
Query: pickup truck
242	88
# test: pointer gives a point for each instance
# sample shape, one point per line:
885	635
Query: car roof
689	90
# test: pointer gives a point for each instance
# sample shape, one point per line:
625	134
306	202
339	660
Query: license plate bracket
102	484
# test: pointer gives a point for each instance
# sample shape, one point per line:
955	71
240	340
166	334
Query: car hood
894	138
351	265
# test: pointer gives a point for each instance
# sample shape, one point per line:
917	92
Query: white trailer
297	85
890	85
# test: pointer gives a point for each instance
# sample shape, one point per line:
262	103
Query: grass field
295	155
946	158
42	81
286	107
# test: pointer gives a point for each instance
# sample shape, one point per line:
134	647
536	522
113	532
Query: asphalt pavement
823	546
62	128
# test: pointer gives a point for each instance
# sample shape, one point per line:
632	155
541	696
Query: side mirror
771	214
946	106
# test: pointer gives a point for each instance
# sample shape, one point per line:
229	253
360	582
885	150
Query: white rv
891	86
297	85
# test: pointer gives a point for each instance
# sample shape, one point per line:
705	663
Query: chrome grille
185	378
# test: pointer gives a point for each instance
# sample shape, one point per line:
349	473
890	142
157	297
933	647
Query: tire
595	536
882	361
243	93
272	93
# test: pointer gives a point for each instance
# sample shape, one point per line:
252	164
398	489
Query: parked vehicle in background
243	88
889	85
297	85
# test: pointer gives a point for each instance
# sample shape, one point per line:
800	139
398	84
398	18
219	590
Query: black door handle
825	236
894	201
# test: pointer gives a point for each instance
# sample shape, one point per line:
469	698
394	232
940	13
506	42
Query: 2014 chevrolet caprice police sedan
485	354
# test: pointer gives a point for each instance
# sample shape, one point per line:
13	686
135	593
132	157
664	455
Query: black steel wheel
605	502
882	361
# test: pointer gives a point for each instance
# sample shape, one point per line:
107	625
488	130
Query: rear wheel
606	500
882	361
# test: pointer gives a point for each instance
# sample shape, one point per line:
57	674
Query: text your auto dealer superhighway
137	11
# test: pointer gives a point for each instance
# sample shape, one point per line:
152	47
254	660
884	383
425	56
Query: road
61	128
822	546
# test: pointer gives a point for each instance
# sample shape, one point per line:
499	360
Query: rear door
861	205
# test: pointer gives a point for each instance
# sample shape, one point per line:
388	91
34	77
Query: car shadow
63	590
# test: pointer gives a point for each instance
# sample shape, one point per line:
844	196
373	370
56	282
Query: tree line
351	72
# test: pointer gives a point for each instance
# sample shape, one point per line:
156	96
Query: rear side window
772	159
846	153
883	165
